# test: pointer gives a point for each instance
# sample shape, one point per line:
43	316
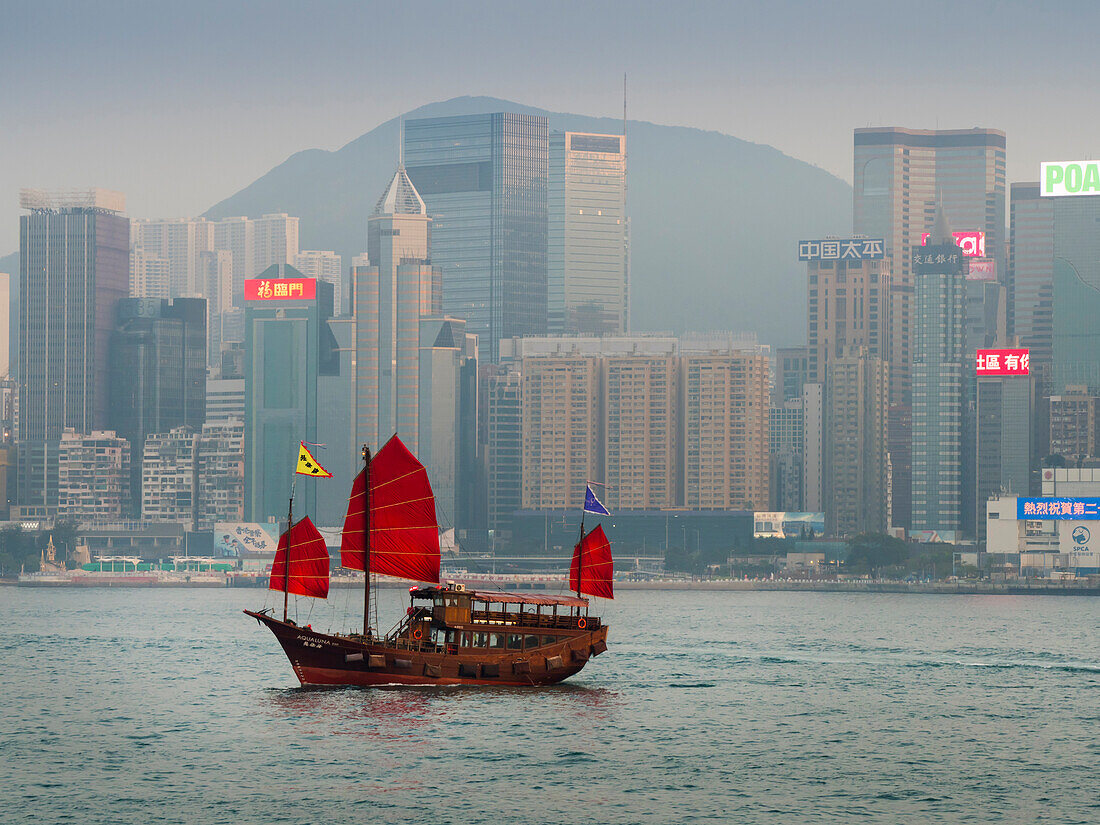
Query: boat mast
286	561
366	540
580	555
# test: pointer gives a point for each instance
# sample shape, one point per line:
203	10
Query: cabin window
515	641
530	642
466	640
496	640
437	636
481	640
452	637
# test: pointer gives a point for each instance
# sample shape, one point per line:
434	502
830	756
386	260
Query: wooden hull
323	659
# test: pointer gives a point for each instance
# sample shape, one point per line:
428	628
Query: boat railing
533	620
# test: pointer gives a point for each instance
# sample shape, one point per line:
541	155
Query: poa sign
1067	178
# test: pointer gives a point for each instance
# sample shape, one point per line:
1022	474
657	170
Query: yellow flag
307	464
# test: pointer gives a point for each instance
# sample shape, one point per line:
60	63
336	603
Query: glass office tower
158	373
588	289
74	268
900	175
483	179
940	373
1076	337
288	347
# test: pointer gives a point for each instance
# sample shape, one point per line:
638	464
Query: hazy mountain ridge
699	202
714	219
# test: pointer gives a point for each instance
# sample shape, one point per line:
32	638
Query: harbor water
170	706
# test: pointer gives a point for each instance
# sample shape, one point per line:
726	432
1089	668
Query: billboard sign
971	242
280	289
848	249
1003	362
982	269
788	525
1068	178
1062	509
233	539
933	259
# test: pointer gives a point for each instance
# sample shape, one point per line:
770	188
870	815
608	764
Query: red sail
592	560
309	562
404	535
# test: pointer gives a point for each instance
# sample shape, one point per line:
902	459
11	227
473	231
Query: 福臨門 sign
1003	362
1076	509
280	289
848	249
1068	178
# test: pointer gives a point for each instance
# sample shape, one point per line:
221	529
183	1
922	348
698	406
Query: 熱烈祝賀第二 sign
1074	509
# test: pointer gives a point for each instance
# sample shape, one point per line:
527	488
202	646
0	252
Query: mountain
714	219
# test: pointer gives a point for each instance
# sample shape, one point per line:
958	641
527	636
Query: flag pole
286	560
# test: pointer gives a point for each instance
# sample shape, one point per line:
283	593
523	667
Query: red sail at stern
404	534
593	565
309	562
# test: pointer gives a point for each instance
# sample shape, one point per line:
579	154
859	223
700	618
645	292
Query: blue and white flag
592	504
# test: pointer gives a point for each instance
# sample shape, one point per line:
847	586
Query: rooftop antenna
401	142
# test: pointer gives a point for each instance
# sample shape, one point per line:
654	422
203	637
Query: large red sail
309	562
593	566
404	534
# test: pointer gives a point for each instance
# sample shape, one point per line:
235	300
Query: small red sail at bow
404	534
309	562
592	567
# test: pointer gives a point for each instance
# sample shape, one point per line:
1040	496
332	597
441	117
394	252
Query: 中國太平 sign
1069	177
1003	362
1075	509
280	289
832	249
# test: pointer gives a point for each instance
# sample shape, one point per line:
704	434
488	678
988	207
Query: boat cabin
475	619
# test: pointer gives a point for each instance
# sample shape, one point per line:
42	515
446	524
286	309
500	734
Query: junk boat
459	637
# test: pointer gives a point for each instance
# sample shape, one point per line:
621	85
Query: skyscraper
177	242
855	447
503	444
288	346
1031	274
483	179
1004	453
325	265
939	383
587	263
74	268
561	428
849	306
1076	327
391	296
900	175
158	373
447	416
640	410
725	398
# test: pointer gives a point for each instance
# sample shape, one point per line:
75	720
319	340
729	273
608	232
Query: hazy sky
181	104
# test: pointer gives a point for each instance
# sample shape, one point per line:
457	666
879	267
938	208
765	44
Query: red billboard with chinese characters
280	289
1003	362
971	242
